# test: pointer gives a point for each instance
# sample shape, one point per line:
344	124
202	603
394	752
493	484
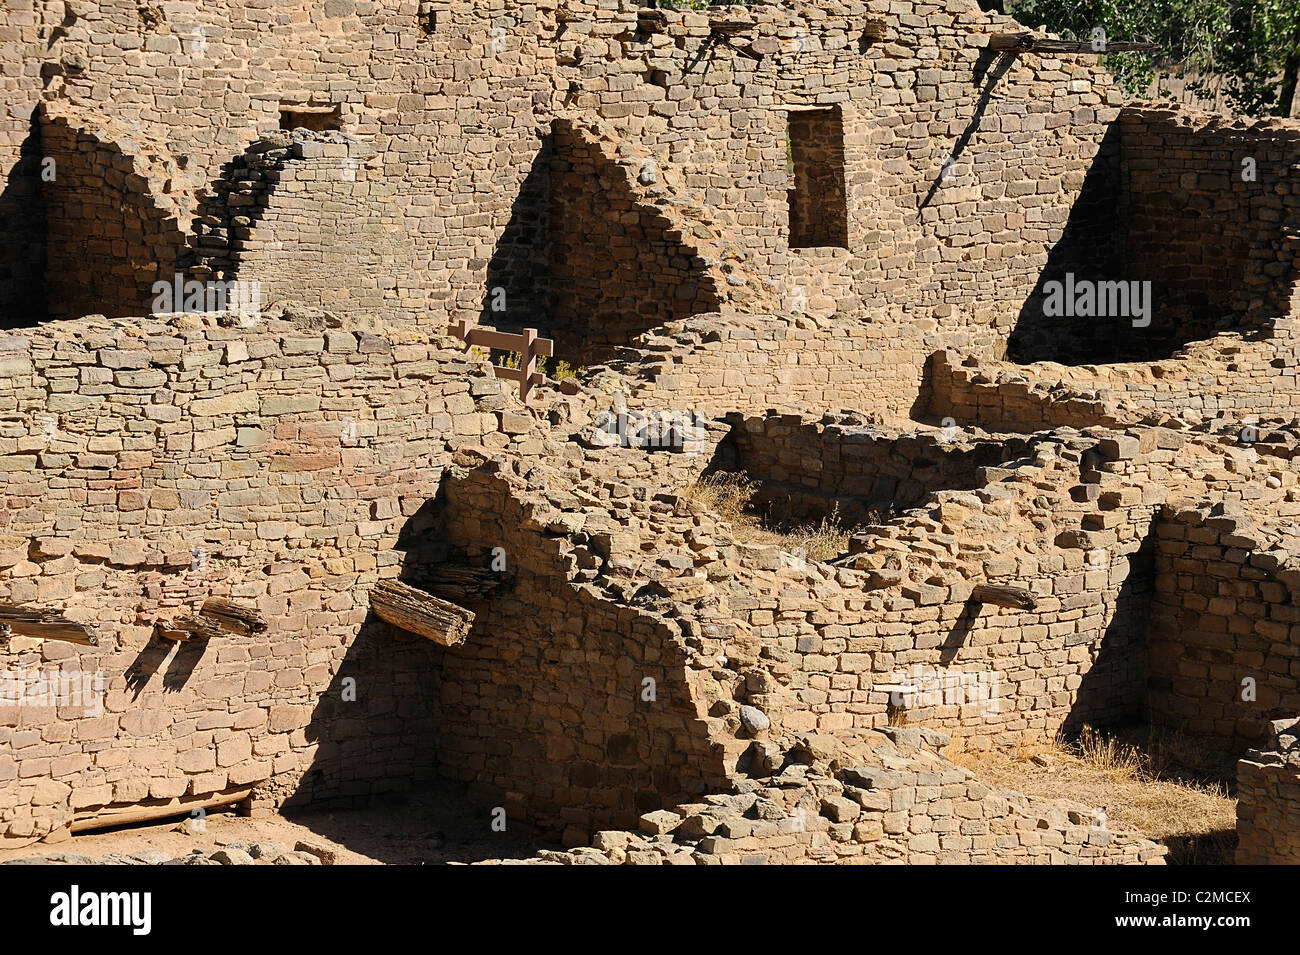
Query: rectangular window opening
318	119
818	198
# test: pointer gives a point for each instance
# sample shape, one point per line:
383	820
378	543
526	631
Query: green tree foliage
1249	48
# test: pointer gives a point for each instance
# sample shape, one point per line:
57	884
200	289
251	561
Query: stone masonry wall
809	468
146	465
1224	658
717	364
1268	799
306	216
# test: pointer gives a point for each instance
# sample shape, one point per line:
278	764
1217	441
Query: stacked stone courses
821	235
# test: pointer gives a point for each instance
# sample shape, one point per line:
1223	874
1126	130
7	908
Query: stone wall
308	218
1222	646
1246	381
114	225
809	469
147	465
1268	799
1196	206
618	265
717	364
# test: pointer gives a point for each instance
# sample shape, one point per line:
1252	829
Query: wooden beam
179	806
235	617
220	616
1017	597
421	613
45	625
1028	42
458	583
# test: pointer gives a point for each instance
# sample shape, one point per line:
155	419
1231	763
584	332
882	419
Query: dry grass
728	494
1139	782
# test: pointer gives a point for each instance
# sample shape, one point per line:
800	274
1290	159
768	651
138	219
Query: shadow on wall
22	237
518	292
1090	248
1113	691
1167	244
541	711
107	239
617	266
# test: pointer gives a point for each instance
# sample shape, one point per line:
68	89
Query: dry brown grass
1140	782
728	494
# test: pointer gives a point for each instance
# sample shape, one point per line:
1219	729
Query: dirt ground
429	827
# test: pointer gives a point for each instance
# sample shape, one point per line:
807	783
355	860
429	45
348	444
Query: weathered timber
458	583
180	806
1028	42
219	617
420	612
1000	596
45	624
235	617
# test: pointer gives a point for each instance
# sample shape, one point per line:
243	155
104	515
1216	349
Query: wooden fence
527	345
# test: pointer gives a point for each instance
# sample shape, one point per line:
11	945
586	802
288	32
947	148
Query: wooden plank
501	341
421	613
45	624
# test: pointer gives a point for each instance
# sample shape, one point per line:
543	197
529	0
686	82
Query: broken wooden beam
1001	596
234	617
218	617
1028	42
108	817
45	625
420	612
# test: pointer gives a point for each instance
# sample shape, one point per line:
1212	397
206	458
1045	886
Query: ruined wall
115	215
1194	205
809	468
716	364
546	707
1222	644
618	266
1268	799
1244	380
146	465
459	116
310	219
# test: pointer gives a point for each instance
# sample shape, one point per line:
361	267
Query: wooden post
528	363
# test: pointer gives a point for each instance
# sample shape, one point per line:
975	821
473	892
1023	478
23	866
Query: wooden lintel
420	612
1029	43
1000	596
46	625
179	806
